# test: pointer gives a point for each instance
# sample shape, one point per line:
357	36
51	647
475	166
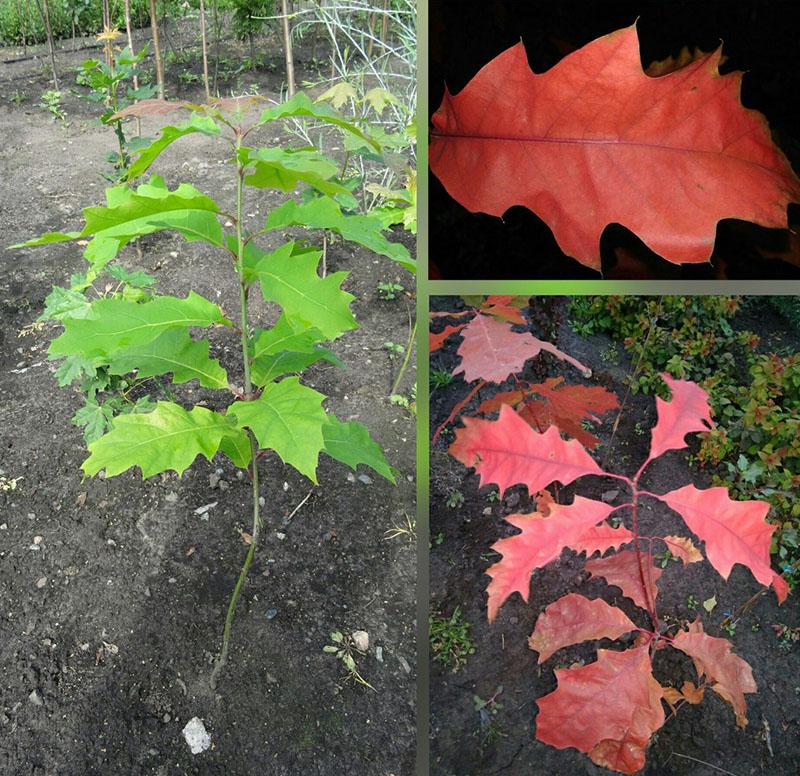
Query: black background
761	37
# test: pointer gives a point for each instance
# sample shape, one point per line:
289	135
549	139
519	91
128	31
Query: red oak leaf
491	351
600	538
596	141
435	341
608	709
565	406
508	451
683	548
573	619
506	308
685	412
733	531
730	676
622	570
541	541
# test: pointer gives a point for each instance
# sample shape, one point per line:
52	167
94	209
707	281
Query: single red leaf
683	548
573	619
508	451
685	412
600	538
435	341
622	570
491	351
541	541
568	406
608	709
693	695
596	141
506	308
730	676
733	531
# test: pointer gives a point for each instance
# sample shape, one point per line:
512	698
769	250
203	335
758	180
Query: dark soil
103	665
759	38
504	743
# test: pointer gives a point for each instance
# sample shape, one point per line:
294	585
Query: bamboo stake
287	47
156	49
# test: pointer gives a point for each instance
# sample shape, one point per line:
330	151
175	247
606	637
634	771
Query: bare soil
104	662
465	744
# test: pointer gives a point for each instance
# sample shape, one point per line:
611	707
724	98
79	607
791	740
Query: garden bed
500	739
109	627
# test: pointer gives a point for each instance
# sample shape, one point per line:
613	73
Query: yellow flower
108	35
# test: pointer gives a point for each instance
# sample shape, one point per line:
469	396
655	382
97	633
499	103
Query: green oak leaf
324	213
301	106
276	168
287	418
291	280
173	351
169	134
237	447
351	444
168	438
289	346
118	324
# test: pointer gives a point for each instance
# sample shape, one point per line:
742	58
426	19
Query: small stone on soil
41	582
171	497
280	535
196	735
365	479
360	640
272	614
379	654
404	664
351	477
35	698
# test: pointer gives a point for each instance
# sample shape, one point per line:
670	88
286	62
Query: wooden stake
203	44
287	47
156	49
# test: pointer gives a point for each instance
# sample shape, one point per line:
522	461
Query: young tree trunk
287	47
156	49
252	52
44	12
203	44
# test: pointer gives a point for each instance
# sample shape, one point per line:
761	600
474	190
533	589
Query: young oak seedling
610	708
150	335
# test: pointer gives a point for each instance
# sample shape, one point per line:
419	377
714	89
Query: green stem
248	389
405	360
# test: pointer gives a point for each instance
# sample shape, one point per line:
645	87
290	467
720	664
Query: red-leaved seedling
610	708
491	351
596	141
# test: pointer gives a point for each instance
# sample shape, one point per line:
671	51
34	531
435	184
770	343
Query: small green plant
663	558
408	403
110	83
51	101
18	97
787	636
449	638
493	495
393	349
136	332
692	603
389	291
490	731
188	77
455	499
440	378
345	649
8	484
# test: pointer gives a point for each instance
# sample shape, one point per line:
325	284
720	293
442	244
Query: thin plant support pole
130	46
412	335
215	17
248	389
203	44
157	49
44	12
287	48
21	19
